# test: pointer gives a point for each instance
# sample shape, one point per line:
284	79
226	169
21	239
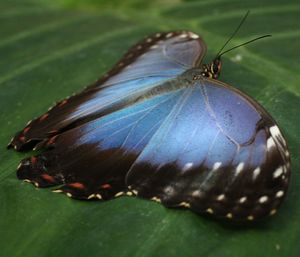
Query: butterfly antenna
246	43
233	34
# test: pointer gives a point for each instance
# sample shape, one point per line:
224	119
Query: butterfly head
213	69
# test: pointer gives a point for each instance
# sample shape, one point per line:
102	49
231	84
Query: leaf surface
50	49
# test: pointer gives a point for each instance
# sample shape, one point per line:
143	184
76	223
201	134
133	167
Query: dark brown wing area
151	62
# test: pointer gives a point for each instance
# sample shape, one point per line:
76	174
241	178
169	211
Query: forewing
151	62
217	151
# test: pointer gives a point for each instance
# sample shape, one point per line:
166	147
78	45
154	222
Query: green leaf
49	49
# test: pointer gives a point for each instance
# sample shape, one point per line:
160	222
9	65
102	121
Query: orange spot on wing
26	130
106	186
51	140
44	117
62	103
47	177
77	185
22	138
33	159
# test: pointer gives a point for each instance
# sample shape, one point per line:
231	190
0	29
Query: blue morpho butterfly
161	126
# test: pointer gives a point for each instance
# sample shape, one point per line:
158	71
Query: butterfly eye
217	65
215	68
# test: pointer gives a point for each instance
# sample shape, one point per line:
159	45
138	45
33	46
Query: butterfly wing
206	146
152	62
217	151
92	160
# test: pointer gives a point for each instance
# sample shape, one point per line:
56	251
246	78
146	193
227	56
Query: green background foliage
49	49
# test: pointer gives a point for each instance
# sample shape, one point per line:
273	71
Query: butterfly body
161	126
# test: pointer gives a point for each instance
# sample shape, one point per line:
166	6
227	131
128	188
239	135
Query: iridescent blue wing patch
151	62
218	152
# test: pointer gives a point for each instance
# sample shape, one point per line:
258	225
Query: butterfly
161	126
